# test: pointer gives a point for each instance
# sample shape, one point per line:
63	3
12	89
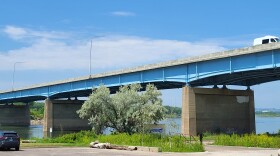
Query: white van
266	40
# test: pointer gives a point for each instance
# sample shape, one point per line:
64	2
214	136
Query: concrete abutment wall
61	116
14	115
217	110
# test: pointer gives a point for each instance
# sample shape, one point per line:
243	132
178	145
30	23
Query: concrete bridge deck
188	60
246	66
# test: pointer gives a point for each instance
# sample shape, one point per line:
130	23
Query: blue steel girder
247	78
246	70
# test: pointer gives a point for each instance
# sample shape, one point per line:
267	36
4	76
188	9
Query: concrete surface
211	151
60	115
148	149
12	115
217	110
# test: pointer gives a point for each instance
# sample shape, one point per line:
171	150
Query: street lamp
90	58
14	74
98	36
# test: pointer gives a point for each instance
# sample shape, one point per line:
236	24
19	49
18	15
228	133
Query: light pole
14	74
90	58
91	54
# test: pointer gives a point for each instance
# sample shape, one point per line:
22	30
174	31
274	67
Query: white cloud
19	33
122	13
109	52
15	32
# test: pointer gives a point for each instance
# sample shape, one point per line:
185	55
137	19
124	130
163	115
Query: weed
83	138
248	140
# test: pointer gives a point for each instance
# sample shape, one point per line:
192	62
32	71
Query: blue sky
52	37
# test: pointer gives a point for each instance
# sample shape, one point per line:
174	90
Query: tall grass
165	143
82	138
248	140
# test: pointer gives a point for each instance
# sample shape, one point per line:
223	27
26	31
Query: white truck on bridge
266	40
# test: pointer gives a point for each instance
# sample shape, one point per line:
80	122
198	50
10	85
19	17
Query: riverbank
166	143
263	125
36	122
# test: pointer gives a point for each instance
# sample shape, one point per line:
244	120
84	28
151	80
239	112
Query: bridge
243	67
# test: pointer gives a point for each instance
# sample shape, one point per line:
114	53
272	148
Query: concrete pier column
188	111
217	110
14	115
48	117
252	119
60	116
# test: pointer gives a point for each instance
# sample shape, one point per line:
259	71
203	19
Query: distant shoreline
36	122
267	114
257	113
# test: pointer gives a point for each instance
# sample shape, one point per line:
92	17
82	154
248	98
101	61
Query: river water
263	124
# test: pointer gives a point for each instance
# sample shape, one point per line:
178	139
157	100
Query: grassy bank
166	143
250	140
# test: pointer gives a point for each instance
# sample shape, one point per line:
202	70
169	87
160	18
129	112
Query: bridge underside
114	89
247	78
14	115
23	99
86	93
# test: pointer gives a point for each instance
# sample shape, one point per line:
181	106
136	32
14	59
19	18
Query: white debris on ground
98	145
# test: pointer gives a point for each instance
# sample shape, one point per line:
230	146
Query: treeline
173	112
267	114
36	110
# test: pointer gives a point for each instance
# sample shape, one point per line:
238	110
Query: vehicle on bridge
266	40
9	139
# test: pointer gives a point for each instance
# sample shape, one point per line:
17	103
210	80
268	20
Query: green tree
173	112
126	111
36	110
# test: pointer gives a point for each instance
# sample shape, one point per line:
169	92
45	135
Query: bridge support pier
14	115
60	117
217	110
